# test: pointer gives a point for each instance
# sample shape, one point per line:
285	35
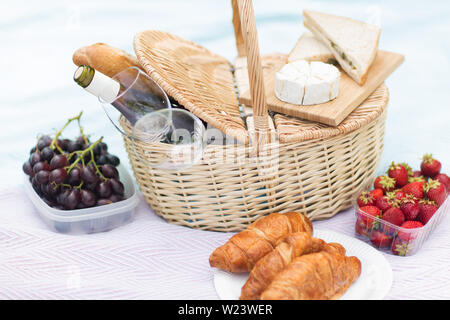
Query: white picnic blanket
150	258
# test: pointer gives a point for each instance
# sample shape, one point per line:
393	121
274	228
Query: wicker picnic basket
307	167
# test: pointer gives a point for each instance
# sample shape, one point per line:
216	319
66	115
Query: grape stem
79	186
97	170
78	152
82	132
83	153
53	144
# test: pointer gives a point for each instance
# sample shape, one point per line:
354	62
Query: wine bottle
132	96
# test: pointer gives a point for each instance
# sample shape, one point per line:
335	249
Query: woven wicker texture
198	79
294	130
233	185
224	192
241	72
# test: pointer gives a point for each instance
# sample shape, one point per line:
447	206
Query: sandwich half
353	43
310	49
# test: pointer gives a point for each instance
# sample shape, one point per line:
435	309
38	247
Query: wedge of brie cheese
306	83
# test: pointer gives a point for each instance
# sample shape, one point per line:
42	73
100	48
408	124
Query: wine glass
139	95
178	148
162	137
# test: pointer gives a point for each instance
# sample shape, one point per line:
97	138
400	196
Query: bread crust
324	275
243	250
360	76
290	247
324	56
104	58
344	65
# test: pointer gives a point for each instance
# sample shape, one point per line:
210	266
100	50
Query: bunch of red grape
74	174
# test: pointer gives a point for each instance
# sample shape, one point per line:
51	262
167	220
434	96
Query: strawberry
384	203
396	194
409	235
367	214
376	193
427	209
394	215
380	240
399	174
414	188
410	207
430	167
417	173
408	168
444	179
399	194
399	247
365	199
384	183
435	191
361	229
417	179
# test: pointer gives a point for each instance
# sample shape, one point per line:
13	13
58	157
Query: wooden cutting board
351	94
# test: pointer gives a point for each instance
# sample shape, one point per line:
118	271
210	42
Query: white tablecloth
150	258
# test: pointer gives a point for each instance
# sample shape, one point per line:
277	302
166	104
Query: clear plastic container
402	241
89	220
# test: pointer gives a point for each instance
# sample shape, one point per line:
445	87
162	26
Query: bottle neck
96	83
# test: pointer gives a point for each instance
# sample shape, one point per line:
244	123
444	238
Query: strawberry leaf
402	249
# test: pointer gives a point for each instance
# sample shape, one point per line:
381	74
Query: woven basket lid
198	79
296	130
202	81
291	130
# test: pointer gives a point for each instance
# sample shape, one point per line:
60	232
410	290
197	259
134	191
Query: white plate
373	284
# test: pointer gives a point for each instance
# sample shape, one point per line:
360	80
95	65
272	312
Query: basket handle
247	44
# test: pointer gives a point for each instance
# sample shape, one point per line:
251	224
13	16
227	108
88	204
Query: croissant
316	276
292	246
244	249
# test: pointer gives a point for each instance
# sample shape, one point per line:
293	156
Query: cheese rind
304	83
290	82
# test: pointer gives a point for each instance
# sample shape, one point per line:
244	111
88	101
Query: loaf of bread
104	58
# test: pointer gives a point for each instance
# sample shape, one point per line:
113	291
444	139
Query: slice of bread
353	43
310	48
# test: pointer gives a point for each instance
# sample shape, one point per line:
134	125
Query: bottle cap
95	82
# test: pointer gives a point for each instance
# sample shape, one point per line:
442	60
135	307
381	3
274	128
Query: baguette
104	58
244	249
